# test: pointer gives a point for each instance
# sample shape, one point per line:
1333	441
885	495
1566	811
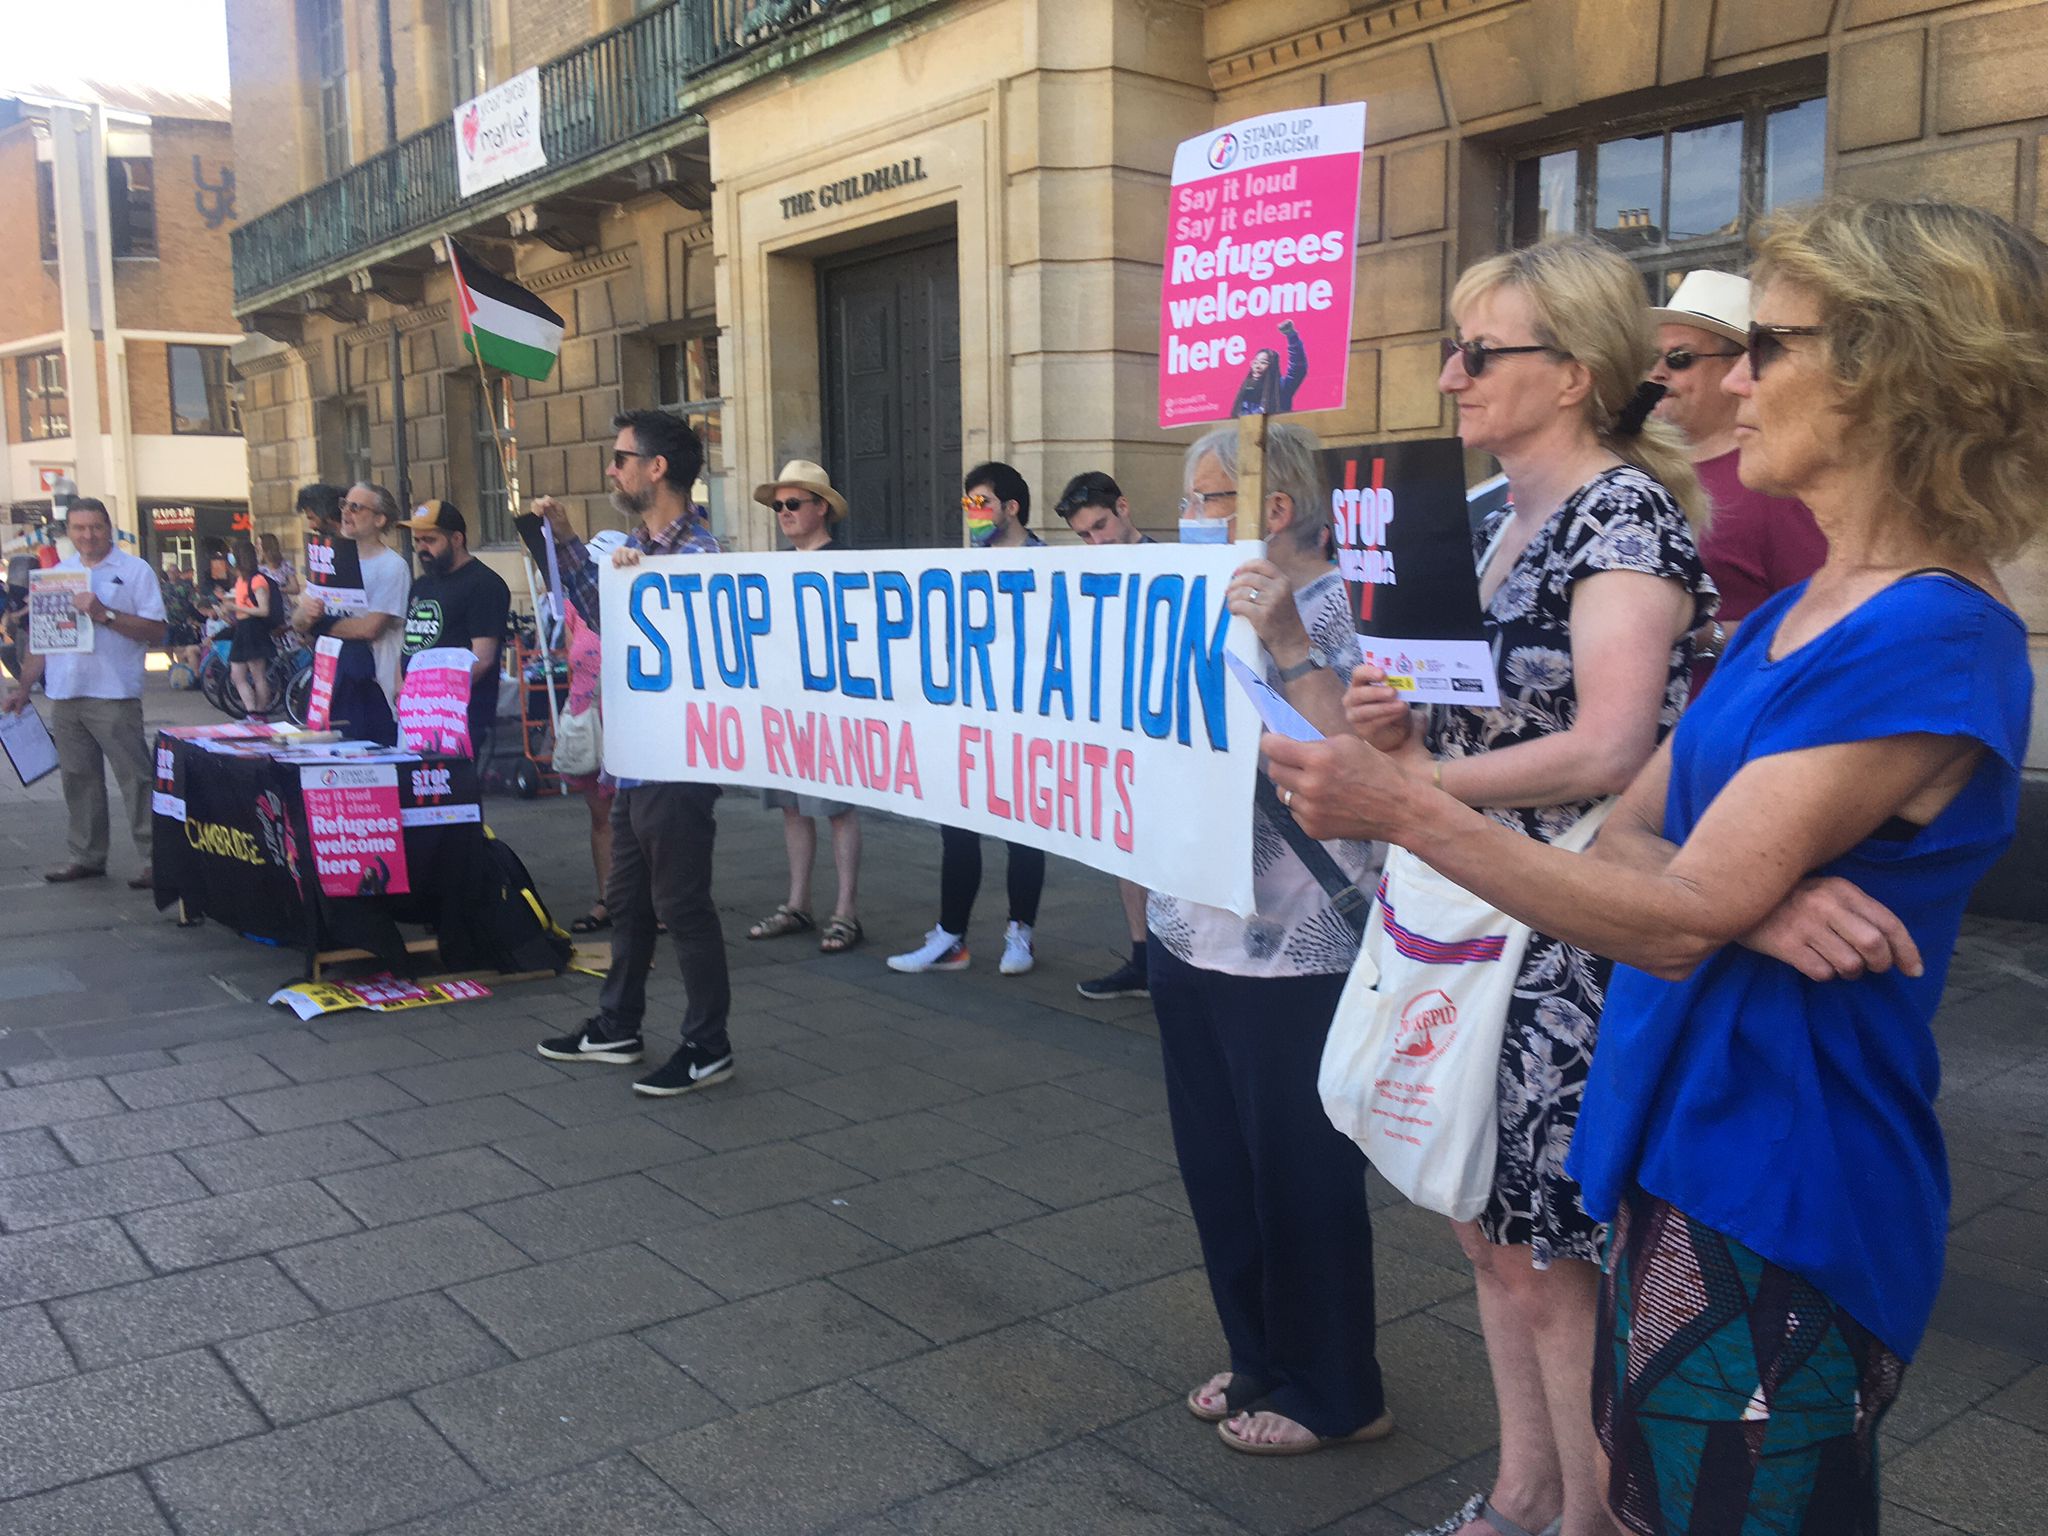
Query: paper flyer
1279	716
381	994
326	666
55	626
334	574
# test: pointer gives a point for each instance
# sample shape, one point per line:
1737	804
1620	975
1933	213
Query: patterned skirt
1732	1397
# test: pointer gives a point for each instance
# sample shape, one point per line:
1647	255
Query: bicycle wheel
298	696
218	688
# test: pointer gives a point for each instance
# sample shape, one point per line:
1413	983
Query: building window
45	409
489	420
330	77
131	207
469	49
355	443
202	396
1674	196
686	383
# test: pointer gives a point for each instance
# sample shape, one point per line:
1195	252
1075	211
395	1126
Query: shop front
191	533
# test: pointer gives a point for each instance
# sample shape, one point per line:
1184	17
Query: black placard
1404	541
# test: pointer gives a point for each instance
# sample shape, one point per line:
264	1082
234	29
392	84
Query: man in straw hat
807	509
1755	544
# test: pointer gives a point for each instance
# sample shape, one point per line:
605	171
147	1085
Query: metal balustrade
611	90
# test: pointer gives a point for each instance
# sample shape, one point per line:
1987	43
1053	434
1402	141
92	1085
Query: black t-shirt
452	610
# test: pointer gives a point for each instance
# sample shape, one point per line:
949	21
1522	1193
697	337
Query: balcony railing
610	91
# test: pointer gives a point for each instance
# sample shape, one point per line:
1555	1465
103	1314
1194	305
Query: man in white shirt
96	696
366	689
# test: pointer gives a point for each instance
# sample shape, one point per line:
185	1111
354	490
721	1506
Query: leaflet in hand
55	626
1280	717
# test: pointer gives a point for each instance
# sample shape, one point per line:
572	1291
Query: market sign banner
1074	700
497	135
1255	303
353	814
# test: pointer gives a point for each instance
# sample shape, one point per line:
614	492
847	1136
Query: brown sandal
840	935
780	923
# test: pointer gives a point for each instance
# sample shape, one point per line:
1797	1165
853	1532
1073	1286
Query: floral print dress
1621	520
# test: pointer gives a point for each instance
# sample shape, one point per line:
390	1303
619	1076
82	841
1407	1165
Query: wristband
1300	669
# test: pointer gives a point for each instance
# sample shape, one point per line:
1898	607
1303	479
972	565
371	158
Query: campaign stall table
287	844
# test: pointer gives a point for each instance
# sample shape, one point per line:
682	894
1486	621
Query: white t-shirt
112	669
1295	931
388	583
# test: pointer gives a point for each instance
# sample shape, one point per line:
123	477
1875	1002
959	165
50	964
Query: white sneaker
940	951
1017	956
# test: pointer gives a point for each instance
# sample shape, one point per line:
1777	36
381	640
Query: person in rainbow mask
996	506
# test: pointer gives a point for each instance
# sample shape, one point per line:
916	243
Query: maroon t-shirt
1756	545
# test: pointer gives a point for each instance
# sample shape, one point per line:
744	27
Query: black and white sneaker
598	1040
692	1067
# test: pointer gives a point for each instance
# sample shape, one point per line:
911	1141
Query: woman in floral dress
1591	587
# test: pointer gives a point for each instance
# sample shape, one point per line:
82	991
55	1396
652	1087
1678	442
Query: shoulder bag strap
1349	900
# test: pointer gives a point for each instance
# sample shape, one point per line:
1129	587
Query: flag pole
508	470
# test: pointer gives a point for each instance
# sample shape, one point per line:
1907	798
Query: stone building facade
903	235
165	450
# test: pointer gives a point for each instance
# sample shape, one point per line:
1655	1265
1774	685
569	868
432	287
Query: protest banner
1404	549
1255	301
353	821
55	626
334	573
497	134
1075	700
433	702
320	698
381	994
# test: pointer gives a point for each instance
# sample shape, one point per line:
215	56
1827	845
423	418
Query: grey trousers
92	733
661	869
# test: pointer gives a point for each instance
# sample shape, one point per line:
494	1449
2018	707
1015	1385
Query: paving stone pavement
923	1266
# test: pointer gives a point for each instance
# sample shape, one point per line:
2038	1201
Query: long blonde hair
1589	303
1935	322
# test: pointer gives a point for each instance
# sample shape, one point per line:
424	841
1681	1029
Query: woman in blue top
1784	883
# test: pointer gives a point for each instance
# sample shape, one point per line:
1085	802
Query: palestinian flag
503	324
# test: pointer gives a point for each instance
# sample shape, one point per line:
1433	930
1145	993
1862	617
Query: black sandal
590	922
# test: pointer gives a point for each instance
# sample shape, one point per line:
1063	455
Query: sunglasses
1678	359
360	506
1766	344
620	455
1478	354
792	504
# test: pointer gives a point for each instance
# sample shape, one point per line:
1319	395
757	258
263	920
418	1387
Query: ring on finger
1287	797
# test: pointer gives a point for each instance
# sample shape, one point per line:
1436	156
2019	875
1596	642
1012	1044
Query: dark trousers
960	879
360	705
1278	1193
661	871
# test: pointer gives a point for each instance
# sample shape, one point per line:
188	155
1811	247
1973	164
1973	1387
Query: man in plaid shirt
662	833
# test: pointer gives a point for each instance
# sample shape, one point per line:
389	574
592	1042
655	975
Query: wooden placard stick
1251	476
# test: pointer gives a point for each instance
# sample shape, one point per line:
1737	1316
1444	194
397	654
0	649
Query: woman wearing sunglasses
1591	585
1760	1122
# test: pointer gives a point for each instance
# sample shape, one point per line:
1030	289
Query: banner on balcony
1255	303
1074	700
497	135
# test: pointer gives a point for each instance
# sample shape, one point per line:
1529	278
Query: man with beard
662	833
457	601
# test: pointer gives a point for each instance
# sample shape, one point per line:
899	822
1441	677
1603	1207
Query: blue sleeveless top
1798	1116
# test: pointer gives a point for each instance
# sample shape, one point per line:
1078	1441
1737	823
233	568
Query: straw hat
1713	301
805	476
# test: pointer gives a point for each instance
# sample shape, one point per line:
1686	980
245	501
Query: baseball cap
437	517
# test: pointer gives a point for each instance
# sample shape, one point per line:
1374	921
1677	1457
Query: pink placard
358	839
1261	235
433	704
326	664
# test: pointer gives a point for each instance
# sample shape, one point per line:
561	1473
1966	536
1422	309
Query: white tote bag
579	743
1411	1068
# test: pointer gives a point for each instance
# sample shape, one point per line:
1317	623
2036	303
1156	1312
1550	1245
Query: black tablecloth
232	844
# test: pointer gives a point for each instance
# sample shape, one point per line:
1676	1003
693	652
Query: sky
167	44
